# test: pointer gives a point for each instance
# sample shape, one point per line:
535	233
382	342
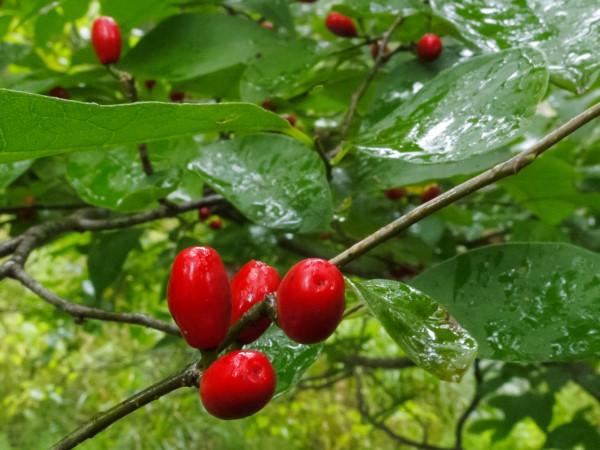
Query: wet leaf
458	123
423	328
567	31
290	359
523	302
274	180
32	125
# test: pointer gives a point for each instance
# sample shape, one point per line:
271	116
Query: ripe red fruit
430	193
149	84
59	92
292	119
429	47
341	25
199	297
310	301
250	286
238	384
395	193
204	213
106	39
216	224
177	96
375	51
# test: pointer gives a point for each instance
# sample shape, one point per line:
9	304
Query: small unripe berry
204	213
269	105
106	39
216	224
429	47
395	193
267	25
310	301
177	96
199	297
375	51
341	25
430	193
59	92
238	384
149	84
248	287
292	119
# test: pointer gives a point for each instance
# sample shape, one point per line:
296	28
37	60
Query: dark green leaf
523	302
11	171
424	329
273	180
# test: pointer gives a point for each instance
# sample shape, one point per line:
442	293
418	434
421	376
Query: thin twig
471	408
502	170
186	378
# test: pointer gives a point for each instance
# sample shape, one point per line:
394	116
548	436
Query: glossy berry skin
429	47
341	25
177	96
204	213
395	193
310	301
430	193
238	384
216	224
248	287
106	39
59	92
199	297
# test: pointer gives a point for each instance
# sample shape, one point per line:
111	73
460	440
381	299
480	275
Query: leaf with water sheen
458	123
523	302
32	125
290	359
423	328
273	180
567	31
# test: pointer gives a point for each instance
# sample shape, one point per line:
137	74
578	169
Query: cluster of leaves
509	73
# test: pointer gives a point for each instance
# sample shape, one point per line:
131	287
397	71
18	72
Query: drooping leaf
290	359
567	31
423	328
32	125
274	180
458	123
523	302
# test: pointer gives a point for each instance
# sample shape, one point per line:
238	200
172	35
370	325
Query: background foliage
529	305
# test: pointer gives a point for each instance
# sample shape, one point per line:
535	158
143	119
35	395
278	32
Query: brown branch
502	170
186	378
16	209
81	312
471	408
364	412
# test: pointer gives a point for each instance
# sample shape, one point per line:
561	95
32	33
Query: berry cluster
205	304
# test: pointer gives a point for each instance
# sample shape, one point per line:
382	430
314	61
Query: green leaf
107	254
290	359
458	123
11	171
32	125
133	12
273	180
115	180
523	302
567	31
190	45
424	329
10	53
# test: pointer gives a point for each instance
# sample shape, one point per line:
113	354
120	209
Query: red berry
60	92
238	384
341	25
395	193
267	25
149	84
250	286
106	39
204	213
177	96
375	51
310	301
269	105
216	224
292	119
199	297
430	193
429	47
